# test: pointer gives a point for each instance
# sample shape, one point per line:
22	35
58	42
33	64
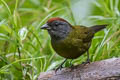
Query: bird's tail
97	28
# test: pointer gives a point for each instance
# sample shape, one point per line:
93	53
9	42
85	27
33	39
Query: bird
70	41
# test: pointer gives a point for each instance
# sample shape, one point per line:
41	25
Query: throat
58	37
60	34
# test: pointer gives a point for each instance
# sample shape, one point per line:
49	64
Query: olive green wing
83	33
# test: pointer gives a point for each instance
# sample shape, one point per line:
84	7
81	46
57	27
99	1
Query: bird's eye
56	24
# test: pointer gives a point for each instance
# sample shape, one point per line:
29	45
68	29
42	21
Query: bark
101	70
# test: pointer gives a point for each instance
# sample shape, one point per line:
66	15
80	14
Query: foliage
25	50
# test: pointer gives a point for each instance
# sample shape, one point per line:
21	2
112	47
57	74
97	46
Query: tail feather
97	28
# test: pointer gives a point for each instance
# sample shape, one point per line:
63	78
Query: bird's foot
87	62
61	66
71	65
58	68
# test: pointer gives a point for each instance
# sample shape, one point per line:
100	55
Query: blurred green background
25	49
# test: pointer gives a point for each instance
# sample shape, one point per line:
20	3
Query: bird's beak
45	26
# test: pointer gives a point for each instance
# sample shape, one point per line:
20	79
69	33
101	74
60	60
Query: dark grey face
57	29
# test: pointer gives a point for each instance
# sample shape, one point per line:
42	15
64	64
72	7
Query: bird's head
58	28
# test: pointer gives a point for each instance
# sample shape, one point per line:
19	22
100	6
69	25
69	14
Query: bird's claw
71	65
87	62
59	68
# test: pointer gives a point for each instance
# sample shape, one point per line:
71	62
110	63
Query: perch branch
108	69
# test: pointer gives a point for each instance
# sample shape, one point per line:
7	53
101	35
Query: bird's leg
71	63
60	67
88	59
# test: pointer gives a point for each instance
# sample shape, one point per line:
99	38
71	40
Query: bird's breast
70	49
